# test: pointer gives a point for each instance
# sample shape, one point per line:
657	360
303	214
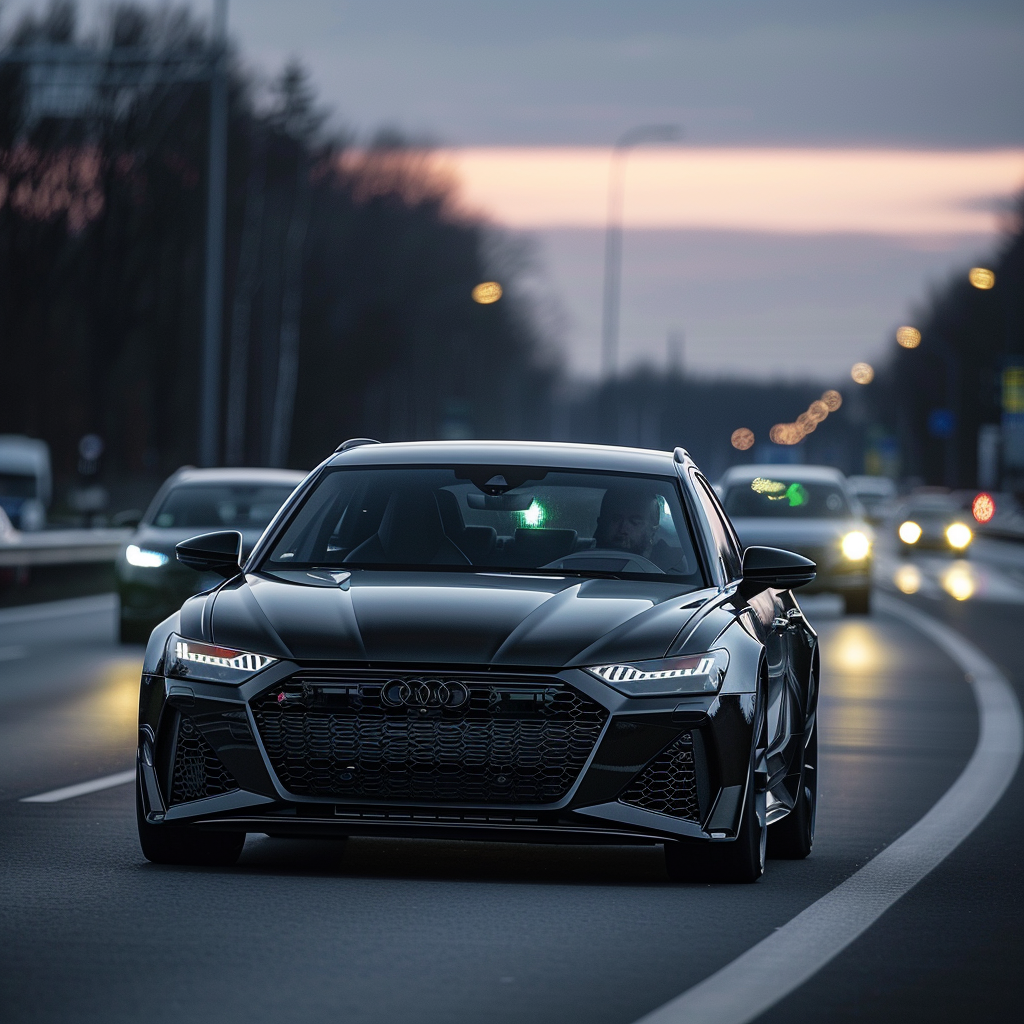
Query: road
423	931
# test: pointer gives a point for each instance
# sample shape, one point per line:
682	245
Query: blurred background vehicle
151	583
876	494
933	520
24	480
810	510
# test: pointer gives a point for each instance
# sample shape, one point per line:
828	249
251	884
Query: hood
799	535
450	618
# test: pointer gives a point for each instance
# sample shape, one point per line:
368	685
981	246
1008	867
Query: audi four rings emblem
424	693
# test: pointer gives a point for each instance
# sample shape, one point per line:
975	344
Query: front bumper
538	757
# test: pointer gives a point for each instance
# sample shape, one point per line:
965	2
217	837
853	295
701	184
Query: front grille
668	784
198	772
521	742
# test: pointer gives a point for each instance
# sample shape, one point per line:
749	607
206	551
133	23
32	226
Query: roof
510	453
239	475
808	474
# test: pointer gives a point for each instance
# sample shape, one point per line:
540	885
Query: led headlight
856	546
189	659
143	558
958	535
666	677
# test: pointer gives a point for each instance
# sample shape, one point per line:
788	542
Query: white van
25	481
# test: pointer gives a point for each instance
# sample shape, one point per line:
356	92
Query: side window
725	538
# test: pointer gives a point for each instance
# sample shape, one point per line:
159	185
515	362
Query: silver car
808	509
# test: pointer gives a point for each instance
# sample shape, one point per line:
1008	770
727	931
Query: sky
837	159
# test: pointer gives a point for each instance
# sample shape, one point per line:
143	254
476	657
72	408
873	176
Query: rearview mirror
212	552
773	568
500	502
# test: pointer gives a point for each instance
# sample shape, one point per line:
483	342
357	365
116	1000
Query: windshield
782	497
17	485
221	506
492	517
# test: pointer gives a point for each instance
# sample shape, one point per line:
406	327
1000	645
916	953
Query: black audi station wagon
488	640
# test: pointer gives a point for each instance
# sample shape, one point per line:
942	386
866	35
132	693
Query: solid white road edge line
782	962
92	786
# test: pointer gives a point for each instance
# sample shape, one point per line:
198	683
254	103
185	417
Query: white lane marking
59	609
92	786
769	971
13	653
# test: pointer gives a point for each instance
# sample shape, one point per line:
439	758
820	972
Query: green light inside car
797	494
534	516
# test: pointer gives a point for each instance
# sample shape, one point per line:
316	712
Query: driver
628	520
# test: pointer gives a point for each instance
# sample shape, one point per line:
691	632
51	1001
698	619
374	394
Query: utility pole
613	236
216	196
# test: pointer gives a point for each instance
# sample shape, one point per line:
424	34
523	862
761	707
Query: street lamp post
216	195
613	235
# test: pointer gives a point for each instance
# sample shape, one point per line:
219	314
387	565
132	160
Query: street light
613	234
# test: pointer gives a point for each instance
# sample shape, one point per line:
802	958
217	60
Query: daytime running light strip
241	662
629	673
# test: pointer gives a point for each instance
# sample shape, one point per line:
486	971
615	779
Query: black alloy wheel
793	837
165	844
742	860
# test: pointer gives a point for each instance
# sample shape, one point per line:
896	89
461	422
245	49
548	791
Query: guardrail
62	547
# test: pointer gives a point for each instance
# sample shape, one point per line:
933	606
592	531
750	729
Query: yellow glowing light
910	532
855	650
487	292
764	486
832	400
958	582
908	579
742	439
959	535
908	337
862	373
786	433
856	546
982	277
817	411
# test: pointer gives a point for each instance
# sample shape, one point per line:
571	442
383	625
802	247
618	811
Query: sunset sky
838	158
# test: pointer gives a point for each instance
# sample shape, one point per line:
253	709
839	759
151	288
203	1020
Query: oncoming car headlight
143	558
666	677
190	659
856	546
910	532
958	535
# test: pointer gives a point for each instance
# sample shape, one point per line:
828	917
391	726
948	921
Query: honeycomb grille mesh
507	744
668	784
198	772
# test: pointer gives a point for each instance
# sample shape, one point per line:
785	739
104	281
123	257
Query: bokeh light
959	535
832	399
983	508
487	292
958	582
743	438
908	579
862	373
908	337
982	277
910	532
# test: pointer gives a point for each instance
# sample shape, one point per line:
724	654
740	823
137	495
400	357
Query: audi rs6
488	640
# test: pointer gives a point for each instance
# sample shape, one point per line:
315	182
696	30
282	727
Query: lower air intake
668	784
198	772
515	743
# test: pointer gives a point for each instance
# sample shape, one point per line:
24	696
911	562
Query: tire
167	844
793	837
858	602
742	860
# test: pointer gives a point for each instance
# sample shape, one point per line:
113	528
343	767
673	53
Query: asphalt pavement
424	931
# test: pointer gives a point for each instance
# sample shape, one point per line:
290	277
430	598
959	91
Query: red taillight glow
983	508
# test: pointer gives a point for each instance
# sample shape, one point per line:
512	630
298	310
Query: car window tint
492	517
728	548
782	496
220	506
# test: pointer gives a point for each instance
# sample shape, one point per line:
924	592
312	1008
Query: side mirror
212	552
765	568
